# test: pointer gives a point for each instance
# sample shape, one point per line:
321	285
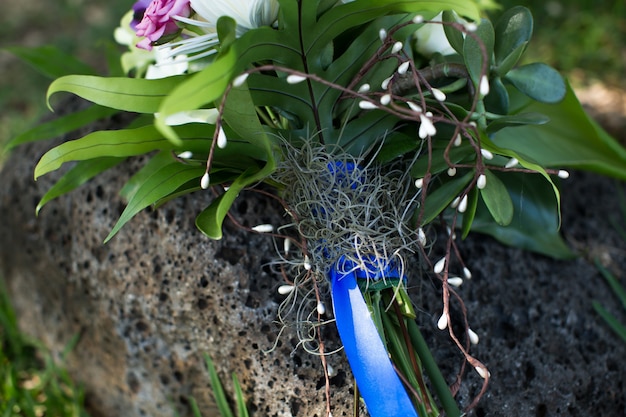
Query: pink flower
158	20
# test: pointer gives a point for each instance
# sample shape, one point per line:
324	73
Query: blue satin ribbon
378	383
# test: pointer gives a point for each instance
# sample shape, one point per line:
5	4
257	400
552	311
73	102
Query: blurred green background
585	39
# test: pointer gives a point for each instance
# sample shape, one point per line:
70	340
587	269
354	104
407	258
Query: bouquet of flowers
374	123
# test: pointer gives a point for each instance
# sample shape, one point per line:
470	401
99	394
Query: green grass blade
615	286
218	389
242	410
617	327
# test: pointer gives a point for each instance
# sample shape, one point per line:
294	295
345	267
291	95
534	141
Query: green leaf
200	89
152	166
618	290
516	120
162	183
615	325
497	101
210	220
438	161
77	176
497	199
218	389
470	212
454	36
513	31
242	411
535	223
439	199
570	139
539	82
62	125
129	94
473	51
51	61
118	143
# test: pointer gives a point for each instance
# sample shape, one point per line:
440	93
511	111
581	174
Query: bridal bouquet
375	124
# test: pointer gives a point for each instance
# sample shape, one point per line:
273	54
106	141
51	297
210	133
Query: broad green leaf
438	161
51	61
454	36
396	145
210	220
509	62
117	143
439	199
162	183
202	88
470	212
513	30
539	82
473	51
520	119
570	139
152	166
62	125
535	223
497	199
77	176
497	101
129	94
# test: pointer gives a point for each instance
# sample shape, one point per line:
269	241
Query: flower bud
483	87
221	139
438	94
285	289
321	308
463	204
385	99
455	281
481	182
563	174
367	105
473	337
295	78
240	79
441	263
396	47
404	67
263	228
511	163
486	154
204	182
364	88
442	323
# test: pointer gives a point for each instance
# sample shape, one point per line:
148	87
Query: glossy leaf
470	212
497	199
513	31
539	82
570	139
77	176
535	223
497	101
51	61
439	199
438	161
516	120
473	50
162	183
129	94
118	143
454	36
62	125
152	166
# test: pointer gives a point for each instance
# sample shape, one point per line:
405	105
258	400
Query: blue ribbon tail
378	383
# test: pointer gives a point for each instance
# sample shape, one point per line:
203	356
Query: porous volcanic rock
152	301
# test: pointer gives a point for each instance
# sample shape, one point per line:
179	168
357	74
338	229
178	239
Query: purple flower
139	9
158	20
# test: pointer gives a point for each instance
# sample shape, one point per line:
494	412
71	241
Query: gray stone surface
159	295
